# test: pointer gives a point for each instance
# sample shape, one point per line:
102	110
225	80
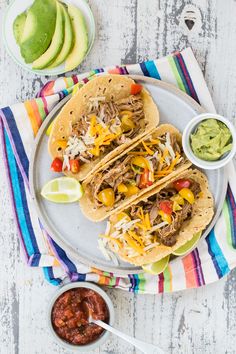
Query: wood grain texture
194	321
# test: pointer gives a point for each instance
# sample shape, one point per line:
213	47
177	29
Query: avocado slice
68	41
18	26
57	41
38	30
81	38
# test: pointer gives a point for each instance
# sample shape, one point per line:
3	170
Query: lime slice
188	246
157	267
62	190
48	131
75	89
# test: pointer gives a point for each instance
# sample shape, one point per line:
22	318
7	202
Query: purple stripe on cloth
41	92
2	139
187	77
24	175
198	267
125	70
74	276
133	283
100	70
61	261
232	215
62	256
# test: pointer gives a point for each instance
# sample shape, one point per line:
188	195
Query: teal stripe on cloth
17	198
218	258
136	288
152	69
48	273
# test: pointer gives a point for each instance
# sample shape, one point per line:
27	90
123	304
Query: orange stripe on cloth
104	277
114	71
104	280
36	112
189	269
33	115
97	271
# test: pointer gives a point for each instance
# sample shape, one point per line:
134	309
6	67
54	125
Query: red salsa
70	315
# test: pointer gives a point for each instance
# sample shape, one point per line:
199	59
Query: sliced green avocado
68	41
38	30
18	26
81	38
57	41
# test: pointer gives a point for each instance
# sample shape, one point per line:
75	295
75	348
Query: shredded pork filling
167	235
134	221
108	115
121	170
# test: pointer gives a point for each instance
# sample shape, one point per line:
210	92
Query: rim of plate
72	252
46	72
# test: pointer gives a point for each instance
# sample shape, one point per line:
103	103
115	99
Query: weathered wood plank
195	321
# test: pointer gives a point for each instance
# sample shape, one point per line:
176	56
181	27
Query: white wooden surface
194	321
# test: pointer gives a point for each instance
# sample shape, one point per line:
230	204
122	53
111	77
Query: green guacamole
211	140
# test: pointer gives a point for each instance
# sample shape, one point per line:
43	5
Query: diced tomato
166	206
68	313
56	165
135	89
181	183
74	166
144	179
59	322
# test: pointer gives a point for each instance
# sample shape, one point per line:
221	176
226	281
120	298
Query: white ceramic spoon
143	346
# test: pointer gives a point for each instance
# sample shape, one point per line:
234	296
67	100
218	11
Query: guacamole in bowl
211	140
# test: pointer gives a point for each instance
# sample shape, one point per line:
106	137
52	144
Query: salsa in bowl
69	313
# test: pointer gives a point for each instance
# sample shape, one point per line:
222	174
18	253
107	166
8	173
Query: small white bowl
191	128
98	342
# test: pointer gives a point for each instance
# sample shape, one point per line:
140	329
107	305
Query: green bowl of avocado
48	37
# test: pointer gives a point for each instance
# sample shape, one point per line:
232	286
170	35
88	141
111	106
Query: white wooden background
194	321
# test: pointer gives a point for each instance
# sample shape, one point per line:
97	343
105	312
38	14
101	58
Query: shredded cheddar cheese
136	237
149	151
133	244
147	221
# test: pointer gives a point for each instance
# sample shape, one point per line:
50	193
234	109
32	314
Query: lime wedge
157	267
62	190
188	246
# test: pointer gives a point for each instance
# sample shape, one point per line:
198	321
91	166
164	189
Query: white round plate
66	224
17	7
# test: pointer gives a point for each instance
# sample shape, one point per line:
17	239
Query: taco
105	116
146	164
163	221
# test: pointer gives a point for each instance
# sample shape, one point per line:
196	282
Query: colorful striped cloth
19	123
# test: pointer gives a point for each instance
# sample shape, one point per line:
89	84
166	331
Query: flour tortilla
112	87
98	214
203	211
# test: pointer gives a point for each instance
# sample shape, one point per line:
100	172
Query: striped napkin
19	123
